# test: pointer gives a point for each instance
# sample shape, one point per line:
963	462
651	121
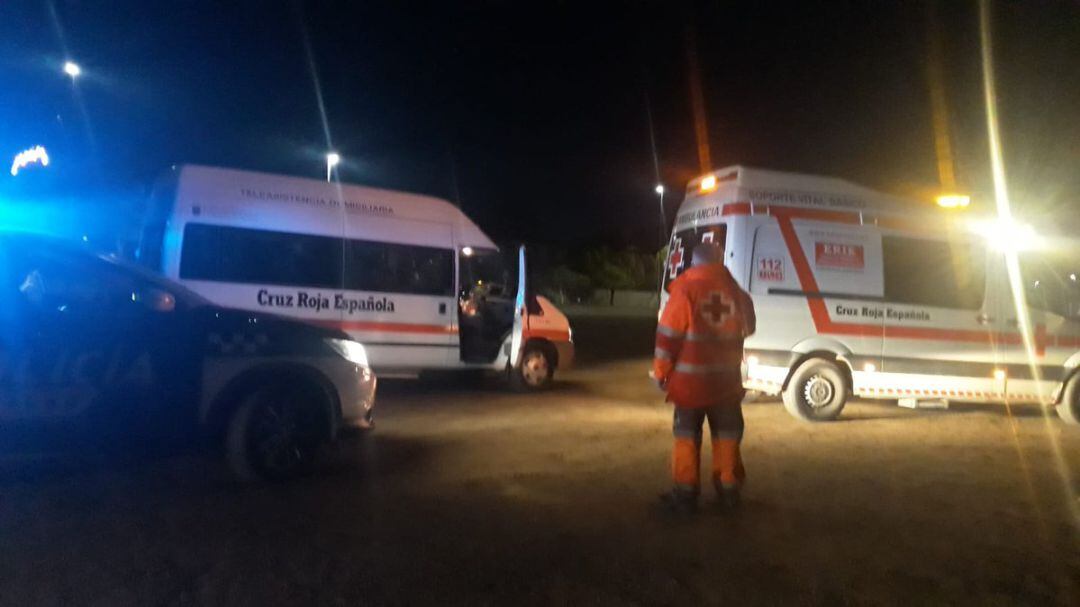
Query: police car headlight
350	350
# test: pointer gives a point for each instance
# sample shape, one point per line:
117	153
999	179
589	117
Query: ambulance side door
1051	297
938	328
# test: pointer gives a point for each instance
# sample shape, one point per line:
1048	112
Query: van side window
242	255
396	268
933	273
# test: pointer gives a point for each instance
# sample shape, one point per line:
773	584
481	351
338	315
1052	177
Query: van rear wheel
1069	409
816	392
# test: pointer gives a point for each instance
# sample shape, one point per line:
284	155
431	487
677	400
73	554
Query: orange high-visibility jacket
699	341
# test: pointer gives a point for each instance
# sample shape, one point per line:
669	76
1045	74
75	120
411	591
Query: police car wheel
1069	409
817	391
536	370
275	434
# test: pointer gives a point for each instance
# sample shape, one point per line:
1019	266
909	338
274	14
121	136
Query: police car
96	351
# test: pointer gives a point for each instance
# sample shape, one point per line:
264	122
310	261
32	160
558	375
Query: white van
859	293
409	276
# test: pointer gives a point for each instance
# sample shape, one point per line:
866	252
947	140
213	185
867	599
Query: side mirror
155	299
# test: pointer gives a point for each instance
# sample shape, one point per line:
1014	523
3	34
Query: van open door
521	313
533	356
503	323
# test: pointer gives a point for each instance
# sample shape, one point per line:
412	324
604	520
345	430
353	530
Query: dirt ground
466	494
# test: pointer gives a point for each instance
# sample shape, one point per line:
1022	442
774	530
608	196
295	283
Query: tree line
576	277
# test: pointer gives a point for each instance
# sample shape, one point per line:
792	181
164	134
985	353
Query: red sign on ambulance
839	256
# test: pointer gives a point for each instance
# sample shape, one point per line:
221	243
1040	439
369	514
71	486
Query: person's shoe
729	499
683	503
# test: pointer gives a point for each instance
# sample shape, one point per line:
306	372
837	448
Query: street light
332	160
659	189
72	69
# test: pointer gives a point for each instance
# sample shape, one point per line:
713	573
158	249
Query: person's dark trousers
726	429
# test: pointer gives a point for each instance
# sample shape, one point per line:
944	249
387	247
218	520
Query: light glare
72	69
36	154
708	183
333	159
1005	234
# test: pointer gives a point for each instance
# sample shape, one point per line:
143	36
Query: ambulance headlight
350	350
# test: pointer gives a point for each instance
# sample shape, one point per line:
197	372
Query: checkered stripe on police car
238	342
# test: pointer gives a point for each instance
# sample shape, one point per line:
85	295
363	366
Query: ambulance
861	294
409	276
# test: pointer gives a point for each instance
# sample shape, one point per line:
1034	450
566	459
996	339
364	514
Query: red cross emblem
676	259
717	308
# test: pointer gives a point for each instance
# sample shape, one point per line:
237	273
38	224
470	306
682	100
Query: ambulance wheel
816	392
1069	409
275	434
536	370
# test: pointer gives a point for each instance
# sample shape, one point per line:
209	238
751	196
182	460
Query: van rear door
682	245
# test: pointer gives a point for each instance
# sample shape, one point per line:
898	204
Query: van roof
763	186
214	186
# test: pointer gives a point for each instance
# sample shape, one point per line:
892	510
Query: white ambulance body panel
908	302
272	243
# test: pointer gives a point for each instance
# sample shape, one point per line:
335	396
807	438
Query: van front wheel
816	392
536	370
1069	409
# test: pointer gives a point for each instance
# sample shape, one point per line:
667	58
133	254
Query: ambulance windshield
681	247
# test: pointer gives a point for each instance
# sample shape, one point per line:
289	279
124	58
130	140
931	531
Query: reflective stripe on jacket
699	340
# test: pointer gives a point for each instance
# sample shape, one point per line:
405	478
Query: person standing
697	362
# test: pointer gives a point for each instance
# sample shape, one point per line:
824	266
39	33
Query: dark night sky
532	115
